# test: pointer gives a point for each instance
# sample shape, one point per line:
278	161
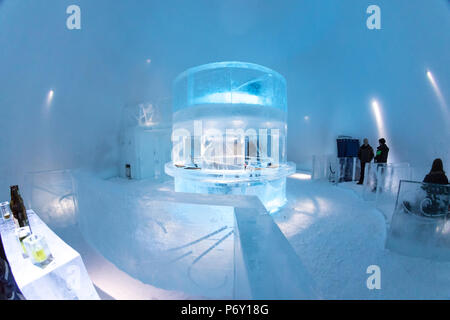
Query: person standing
365	155
382	152
381	160
437	173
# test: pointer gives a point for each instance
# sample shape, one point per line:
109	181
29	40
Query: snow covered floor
337	236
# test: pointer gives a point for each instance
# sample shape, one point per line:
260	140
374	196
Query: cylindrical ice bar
229	132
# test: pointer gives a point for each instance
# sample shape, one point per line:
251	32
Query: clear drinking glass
6	213
22	234
38	250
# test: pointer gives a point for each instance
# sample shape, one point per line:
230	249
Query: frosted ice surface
420	226
64	278
50	193
381	183
189	242
389	178
273	269
176	241
229	132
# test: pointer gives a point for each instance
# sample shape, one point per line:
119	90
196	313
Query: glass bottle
18	208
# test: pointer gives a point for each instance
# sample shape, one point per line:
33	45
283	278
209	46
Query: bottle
128	171
18	208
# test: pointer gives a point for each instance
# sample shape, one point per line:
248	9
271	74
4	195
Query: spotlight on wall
376	109
50	96
438	93
430	76
382	133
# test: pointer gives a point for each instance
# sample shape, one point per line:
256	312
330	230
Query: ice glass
6	213
22	234
38	250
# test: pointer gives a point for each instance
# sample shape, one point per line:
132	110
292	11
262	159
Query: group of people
366	155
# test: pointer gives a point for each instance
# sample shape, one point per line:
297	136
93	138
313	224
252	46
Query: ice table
64	278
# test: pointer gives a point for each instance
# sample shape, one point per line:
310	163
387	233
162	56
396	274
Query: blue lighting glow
229	132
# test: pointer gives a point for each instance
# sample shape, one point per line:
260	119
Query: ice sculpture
229	132
420	226
144	142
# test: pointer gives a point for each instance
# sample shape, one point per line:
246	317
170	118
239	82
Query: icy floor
337	236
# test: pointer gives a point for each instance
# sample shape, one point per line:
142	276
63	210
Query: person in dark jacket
381	160
437	173
8	286
382	152
437	195
365	155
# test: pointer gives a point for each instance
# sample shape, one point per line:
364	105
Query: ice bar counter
229	132
63	277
